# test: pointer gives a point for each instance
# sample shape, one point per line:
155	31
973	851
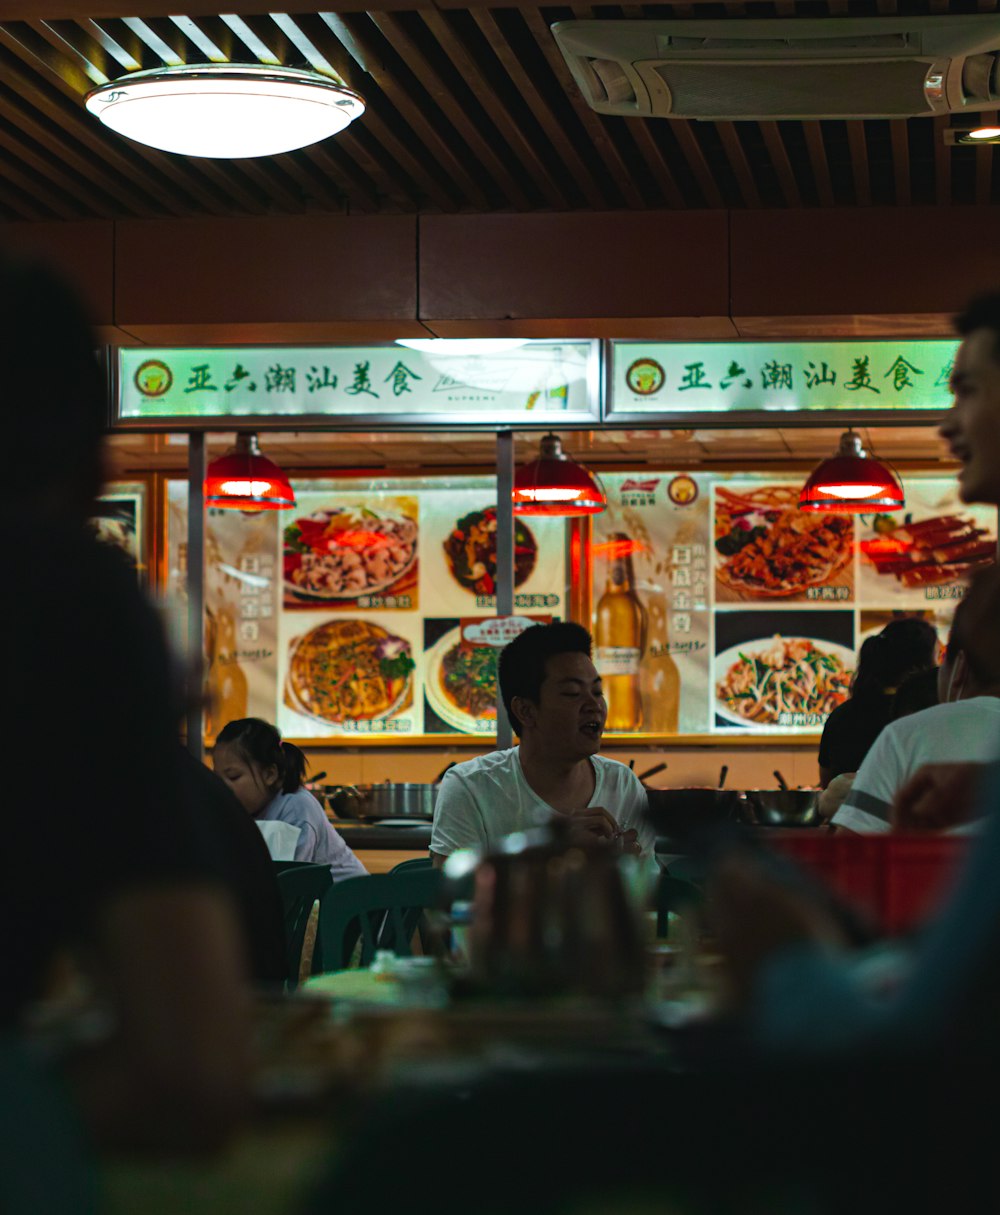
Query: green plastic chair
301	883
46	1161
416	862
382	910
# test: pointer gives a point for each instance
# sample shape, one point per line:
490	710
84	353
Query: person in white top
963	728
554	699
266	775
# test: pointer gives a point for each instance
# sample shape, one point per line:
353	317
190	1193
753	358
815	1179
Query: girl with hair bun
266	775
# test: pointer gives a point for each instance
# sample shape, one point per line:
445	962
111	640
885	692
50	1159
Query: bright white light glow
225	111
247	489
462	345
985	133
546	493
852	491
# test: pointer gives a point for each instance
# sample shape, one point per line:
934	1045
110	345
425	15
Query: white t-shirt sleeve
866	808
636	801
458	820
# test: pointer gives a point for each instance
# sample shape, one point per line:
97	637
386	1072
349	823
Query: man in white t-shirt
964	728
554	699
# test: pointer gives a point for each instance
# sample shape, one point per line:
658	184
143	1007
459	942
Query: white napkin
280	838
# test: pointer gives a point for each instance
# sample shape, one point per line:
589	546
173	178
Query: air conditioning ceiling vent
880	67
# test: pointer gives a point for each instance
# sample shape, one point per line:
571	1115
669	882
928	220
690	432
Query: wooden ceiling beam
859	161
539	106
68	184
697	162
900	137
649	149
451	105
739	164
595	129
55	202
359	43
819	163
782	165
183	174
71	134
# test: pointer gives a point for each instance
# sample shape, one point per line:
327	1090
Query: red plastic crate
896	880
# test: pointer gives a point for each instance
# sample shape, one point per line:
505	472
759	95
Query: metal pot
679	814
392	799
784	807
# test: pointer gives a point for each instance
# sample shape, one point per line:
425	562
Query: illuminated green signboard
355	384
863	376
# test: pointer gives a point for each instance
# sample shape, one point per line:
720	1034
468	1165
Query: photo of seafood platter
347	670
339	555
766	548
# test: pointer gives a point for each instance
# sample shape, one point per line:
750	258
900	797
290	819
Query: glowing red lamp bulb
244	479
852	481
556	485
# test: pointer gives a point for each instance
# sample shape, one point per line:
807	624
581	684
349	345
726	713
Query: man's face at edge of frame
971	427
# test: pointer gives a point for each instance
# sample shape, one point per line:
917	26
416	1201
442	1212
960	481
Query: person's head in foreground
972	425
55	410
885	660
251	758
552	691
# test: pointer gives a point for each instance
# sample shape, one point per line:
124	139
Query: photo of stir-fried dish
347	552
767	548
468	677
783	681
348	670
471	551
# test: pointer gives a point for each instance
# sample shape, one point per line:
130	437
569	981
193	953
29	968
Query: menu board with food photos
719	607
344	616
749	613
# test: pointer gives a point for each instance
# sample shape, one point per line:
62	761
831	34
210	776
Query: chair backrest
674	894
416	862
301	884
382	909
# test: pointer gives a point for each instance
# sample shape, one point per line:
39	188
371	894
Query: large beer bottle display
620	638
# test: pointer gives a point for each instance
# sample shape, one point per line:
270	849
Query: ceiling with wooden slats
471	107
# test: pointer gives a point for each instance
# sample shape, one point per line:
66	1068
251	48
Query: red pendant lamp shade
555	484
852	480
244	479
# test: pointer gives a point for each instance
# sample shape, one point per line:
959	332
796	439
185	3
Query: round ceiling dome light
226	111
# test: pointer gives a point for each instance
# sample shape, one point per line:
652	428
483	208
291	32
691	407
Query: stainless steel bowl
392	799
784	807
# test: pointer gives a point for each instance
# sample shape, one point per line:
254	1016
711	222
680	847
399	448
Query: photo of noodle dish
782	682
767	548
349	670
347	552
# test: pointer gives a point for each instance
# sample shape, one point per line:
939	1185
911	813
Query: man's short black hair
521	667
982	313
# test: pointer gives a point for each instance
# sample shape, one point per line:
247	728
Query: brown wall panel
264	273
862	263
83	250
602	265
